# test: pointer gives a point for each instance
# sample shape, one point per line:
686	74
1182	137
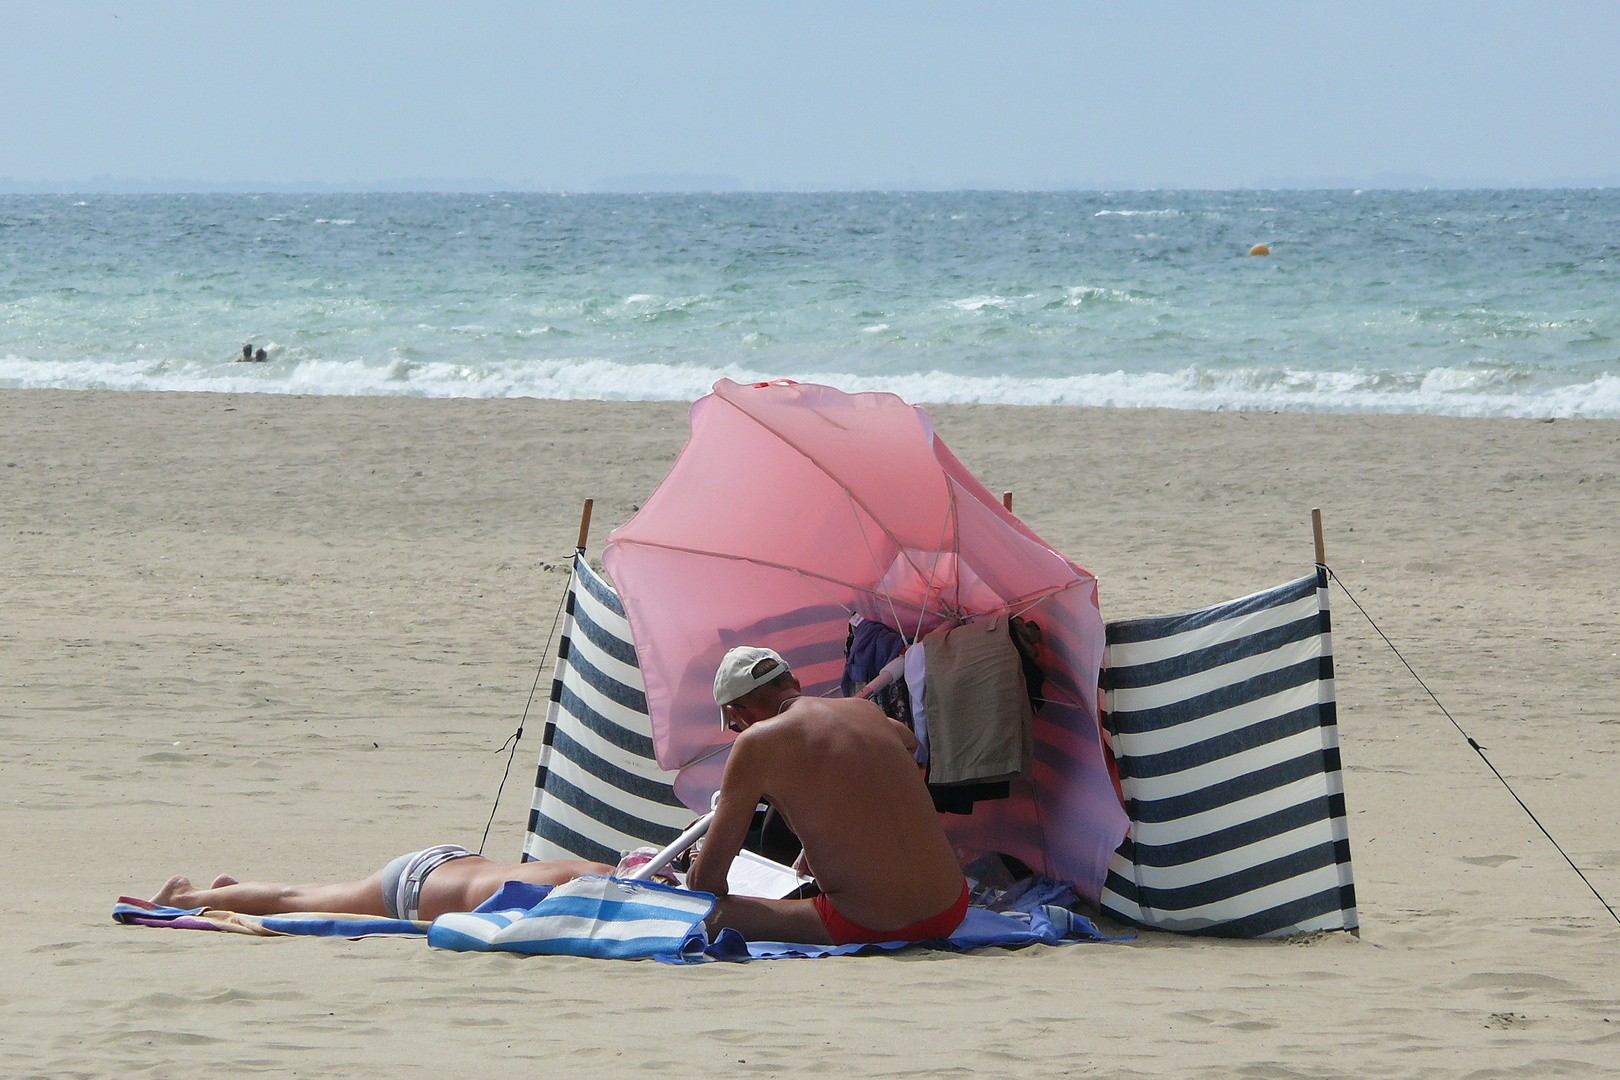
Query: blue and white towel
610	918
631	920
1038	916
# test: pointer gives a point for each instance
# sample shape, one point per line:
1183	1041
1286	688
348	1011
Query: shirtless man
844	777
421	885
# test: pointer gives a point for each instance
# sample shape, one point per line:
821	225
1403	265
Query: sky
768	96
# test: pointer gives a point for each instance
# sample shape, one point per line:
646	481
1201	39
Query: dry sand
282	636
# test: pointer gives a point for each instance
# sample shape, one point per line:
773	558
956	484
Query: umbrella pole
694	832
1006	500
585	524
891	671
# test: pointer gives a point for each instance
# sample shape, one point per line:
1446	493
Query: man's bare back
845	778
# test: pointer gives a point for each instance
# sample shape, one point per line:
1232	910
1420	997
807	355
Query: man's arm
741	786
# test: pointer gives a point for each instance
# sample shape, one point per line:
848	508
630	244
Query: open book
755	875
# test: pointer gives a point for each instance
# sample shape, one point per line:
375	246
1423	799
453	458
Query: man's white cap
736	675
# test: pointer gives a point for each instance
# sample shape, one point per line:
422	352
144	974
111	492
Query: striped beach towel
603	917
134	911
615	919
598	791
1222	722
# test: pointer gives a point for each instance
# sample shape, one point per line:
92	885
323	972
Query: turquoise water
1469	302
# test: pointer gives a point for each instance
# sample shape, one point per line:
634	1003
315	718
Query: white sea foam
1440	391
975	303
1136	213
1076	295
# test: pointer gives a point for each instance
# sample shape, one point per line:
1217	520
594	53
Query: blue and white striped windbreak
598	792
1222	721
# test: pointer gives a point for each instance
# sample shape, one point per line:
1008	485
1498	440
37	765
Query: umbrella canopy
792	507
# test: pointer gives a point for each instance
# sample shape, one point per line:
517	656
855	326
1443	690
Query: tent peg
1006	500
585	523
1316	529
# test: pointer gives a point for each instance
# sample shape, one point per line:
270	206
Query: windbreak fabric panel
1226	732
597	789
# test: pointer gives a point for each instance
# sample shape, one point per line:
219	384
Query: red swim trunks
844	932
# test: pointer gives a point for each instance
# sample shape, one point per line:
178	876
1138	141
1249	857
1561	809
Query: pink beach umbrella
792	507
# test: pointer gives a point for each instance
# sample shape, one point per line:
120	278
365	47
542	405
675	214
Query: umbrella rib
956	542
895	540
1041	599
766	563
1029	601
878	569
928	586
706	754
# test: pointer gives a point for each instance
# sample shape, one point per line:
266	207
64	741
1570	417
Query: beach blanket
137	912
613	918
619	919
1034	913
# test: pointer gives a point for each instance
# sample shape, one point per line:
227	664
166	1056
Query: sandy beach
283	637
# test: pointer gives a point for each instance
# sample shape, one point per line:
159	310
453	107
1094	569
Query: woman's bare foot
175	891
222	881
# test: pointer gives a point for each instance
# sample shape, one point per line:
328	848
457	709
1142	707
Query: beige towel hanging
980	727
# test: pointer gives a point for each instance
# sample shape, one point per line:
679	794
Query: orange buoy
1260	249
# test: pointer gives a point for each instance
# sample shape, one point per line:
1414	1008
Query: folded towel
611	918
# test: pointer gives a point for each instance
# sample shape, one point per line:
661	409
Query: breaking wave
1451	391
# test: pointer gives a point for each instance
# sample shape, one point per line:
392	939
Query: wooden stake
1316	528
585	523
1006	500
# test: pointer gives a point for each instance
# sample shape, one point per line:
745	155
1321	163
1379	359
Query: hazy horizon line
720	183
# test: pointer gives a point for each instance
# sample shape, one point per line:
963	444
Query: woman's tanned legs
274	898
458	885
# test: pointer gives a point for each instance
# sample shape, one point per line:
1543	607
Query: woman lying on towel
421	885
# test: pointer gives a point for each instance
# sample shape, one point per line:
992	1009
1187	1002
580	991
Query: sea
1464	303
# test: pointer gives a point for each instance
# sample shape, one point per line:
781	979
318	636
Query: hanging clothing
948	798
869	646
959	798
916	681
1026	638
980	725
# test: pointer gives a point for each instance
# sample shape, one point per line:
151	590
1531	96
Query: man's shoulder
816	718
770	732
852	707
